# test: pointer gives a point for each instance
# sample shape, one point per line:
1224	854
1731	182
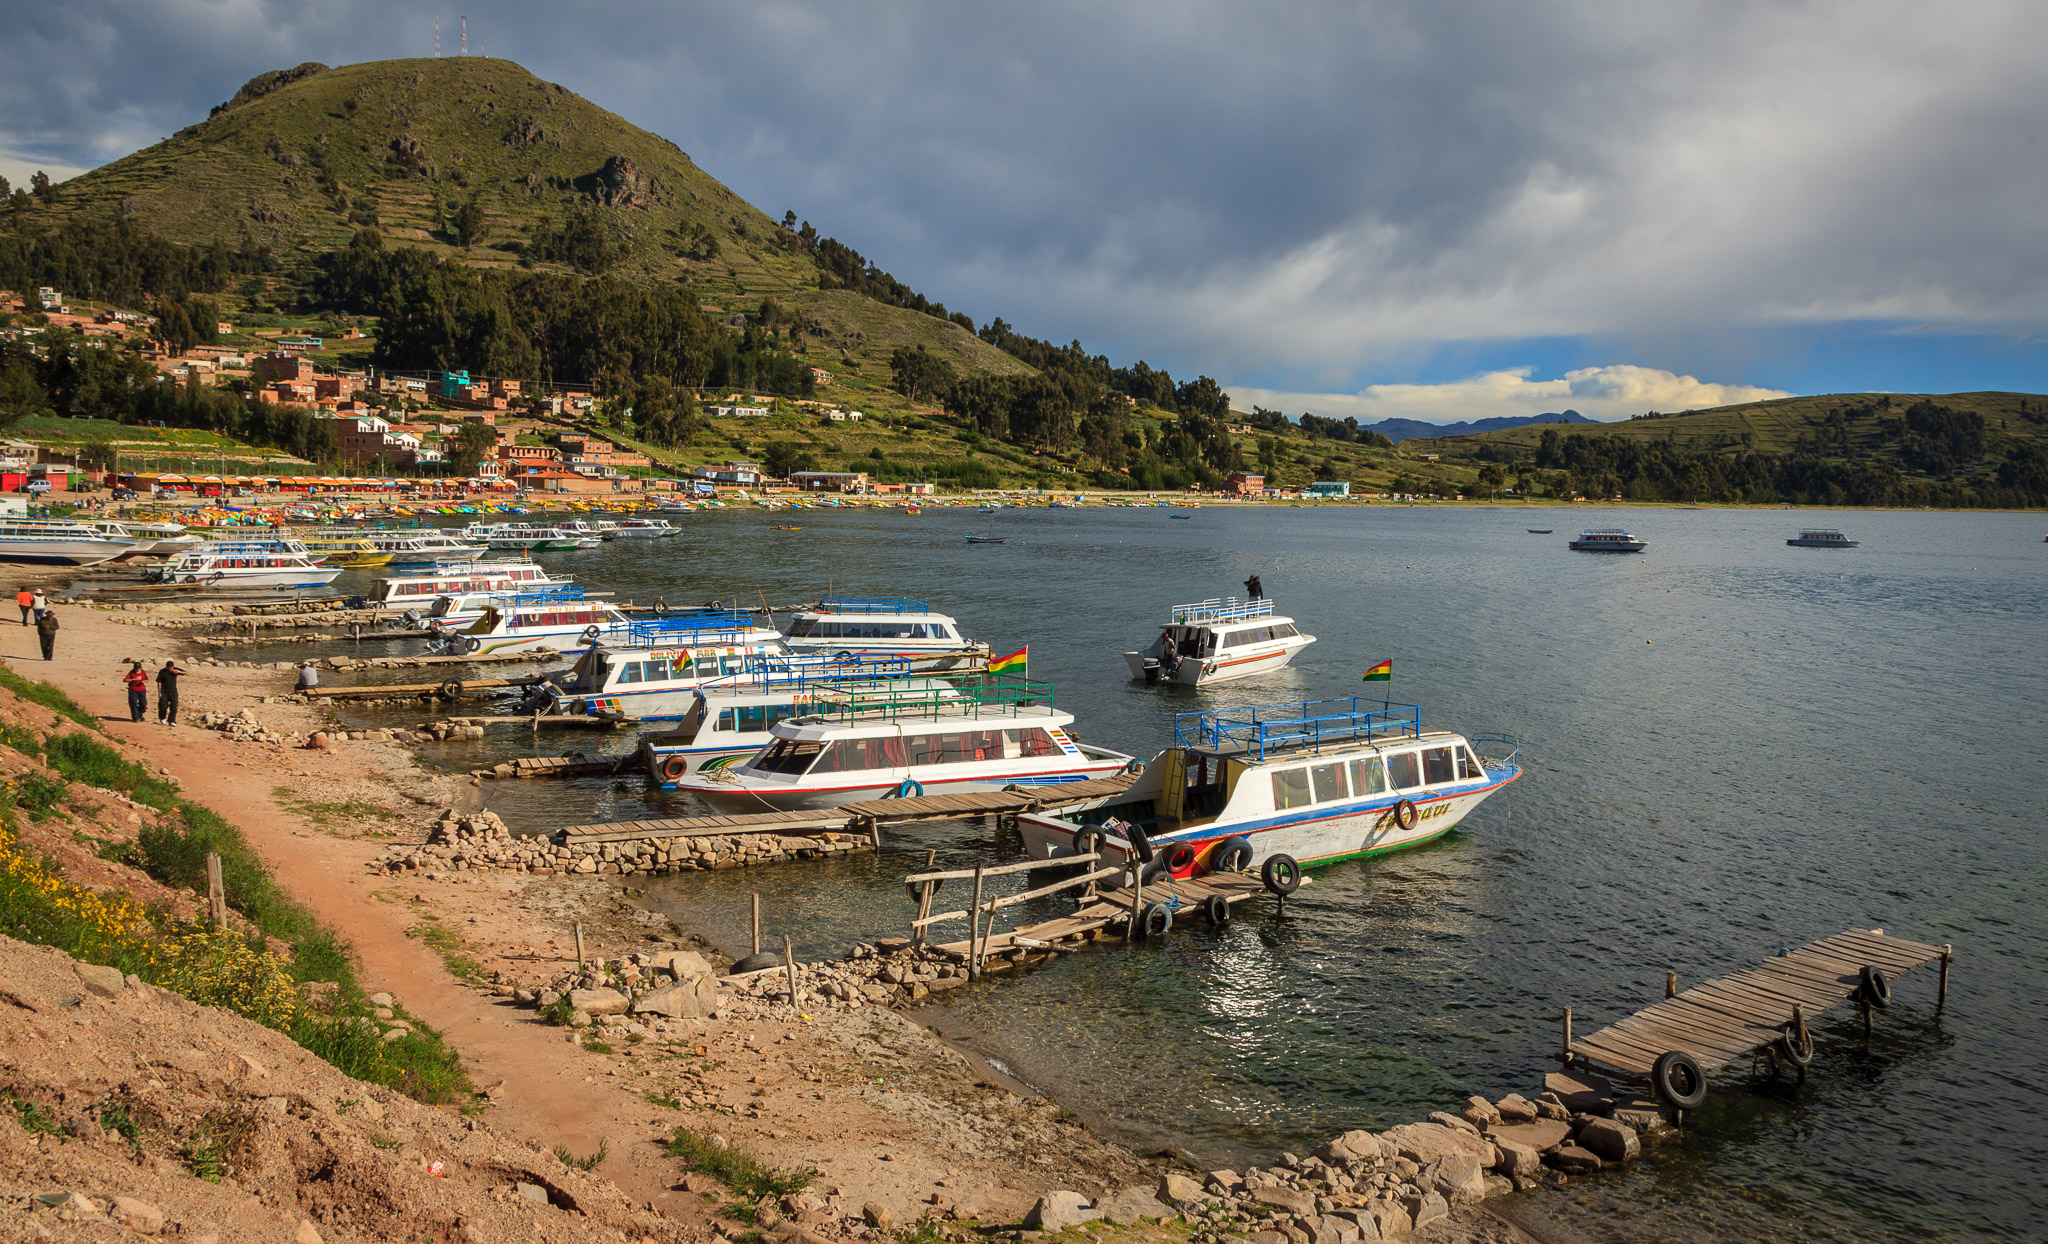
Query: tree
100	453
784	457
468	222
473	443
1491	477
917	372
20	394
6	190
39	185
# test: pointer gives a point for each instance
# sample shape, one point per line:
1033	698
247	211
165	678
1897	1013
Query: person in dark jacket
167	692
46	631
1253	588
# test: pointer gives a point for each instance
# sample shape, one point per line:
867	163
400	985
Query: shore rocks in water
1610	1141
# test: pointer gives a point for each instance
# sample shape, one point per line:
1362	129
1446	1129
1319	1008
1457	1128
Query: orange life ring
674	767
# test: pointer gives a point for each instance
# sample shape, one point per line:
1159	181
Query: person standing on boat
137	679
1254	589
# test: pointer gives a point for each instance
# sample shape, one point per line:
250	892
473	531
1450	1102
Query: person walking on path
46	631
137	679
167	692
39	603
27	600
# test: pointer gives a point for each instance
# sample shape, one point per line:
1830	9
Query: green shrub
83	758
48	696
735	1168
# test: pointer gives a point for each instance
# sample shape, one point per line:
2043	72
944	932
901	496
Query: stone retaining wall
482	842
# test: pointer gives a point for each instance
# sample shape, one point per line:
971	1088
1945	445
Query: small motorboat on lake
1823	538
1284	787
1218	640
1609	540
884	626
1541	531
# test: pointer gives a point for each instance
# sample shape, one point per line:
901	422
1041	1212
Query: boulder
1426	1208
695	998
1225	1183
1127	1207
1543	1135
1361	1221
1445	1118
877	1216
1058	1210
1573	1160
598	1001
1646	1119
1515	1159
1515	1108
1455	1176
1480	1113
1178	1189
1293	1200
106	982
1392	1219
1423	1143
136	1215
1359	1146
532	1192
1610	1141
681	964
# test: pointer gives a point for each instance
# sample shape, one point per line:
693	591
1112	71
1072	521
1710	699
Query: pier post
924	901
1670	984
789	966
216	892
757	922
579	945
1941	996
1567	1034
974	929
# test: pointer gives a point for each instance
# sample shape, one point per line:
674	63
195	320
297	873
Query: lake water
1733	746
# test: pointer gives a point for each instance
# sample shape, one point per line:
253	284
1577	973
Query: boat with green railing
867	742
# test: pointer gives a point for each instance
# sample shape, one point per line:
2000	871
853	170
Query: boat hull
1823	544
739	795
65	552
257	578
1195	673
1609	546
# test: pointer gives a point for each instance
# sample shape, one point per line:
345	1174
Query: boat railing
872	604
533	594
1221	609
996	697
780	673
693	626
1312	724
245	548
1508	744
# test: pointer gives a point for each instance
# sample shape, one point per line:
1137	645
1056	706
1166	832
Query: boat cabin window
1284	630
1291	789
823	629
786	756
1329	783
754	718
1436	766
1468	768
644	671
949	749
1032	742
854	755
1368	777
1403	773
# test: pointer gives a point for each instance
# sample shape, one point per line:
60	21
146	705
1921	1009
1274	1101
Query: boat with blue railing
1285	787
653	671
885	626
857	743
1217	640
556	617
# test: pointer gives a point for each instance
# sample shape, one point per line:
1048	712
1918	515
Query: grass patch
36	793
590	1163
48	696
448	945
83	758
558	1012
382	1141
735	1168
114	1118
597	1047
666	1103
321	813
33	1118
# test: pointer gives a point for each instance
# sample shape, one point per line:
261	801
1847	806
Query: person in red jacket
137	679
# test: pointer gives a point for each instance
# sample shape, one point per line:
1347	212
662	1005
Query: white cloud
1612	392
17	168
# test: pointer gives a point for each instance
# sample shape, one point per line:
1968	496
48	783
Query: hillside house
830	481
1244	483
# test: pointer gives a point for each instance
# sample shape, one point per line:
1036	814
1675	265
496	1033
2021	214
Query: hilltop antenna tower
465	34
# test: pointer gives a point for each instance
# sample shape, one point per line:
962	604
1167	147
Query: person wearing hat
46	632
39	603
137	679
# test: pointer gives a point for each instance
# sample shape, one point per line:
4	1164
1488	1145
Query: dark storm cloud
1306	188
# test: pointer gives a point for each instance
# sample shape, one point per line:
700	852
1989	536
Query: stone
877	1216
1292	1200
694	999
1581	1094
1498	1185
1225	1182
1426	1208
1358	1146
1392	1220
1543	1135
1646	1120
136	1215
598	1001
1515	1158
1127	1207
382	999
1515	1108
1480	1113
1268	1237
307	1233
1177	1189
1426	1142
1444	1118
1360	1221
681	964
1455	1176
1610	1141
1058	1210
106	982
1573	1160
246	1068
532	1192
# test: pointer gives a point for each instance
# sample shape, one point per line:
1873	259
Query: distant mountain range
1398	430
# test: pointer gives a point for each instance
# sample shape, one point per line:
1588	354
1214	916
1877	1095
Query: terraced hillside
478	160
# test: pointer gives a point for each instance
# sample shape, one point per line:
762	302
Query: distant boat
1541	531
986	539
1609	540
787	527
1823	539
1180	516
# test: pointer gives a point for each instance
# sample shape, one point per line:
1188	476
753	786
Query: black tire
1789	1049
1217	908
1405	814
754	963
1087	842
1234	856
1149	874
1154	921
590	633
1677	1080
1140	844
1180	857
1282	874
661	604
471	645
915	889
1873	989
449	690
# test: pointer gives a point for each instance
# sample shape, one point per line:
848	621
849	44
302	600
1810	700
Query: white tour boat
1608	540
652	670
153	539
1286	786
424	546
1218	640
884	626
523	537
646	529
858	745
247	563
556	618
420	589
60	542
1827	538
727	724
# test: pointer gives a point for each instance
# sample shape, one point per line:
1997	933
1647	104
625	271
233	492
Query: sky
1436	210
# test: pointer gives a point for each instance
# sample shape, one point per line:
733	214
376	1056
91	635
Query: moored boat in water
1823	538
1608	540
246	563
884	626
1217	640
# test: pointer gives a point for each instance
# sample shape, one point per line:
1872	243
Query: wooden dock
1763	1010
1186	899
864	817
446	690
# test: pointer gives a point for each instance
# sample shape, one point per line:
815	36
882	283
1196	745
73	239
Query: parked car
37	486
124	494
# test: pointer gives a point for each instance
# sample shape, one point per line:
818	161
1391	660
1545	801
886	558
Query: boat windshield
787	756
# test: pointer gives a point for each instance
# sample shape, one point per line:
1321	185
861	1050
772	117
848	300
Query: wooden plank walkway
859	817
416	690
1114	907
1723	1020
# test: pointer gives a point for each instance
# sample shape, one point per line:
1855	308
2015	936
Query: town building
1244	483
731	475
830	481
1328	488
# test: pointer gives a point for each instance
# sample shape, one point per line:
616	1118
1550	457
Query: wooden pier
1763	1010
447	690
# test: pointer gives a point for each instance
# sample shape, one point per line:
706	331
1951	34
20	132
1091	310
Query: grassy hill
298	161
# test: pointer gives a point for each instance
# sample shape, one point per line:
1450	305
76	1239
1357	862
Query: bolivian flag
1383	672
1018	660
